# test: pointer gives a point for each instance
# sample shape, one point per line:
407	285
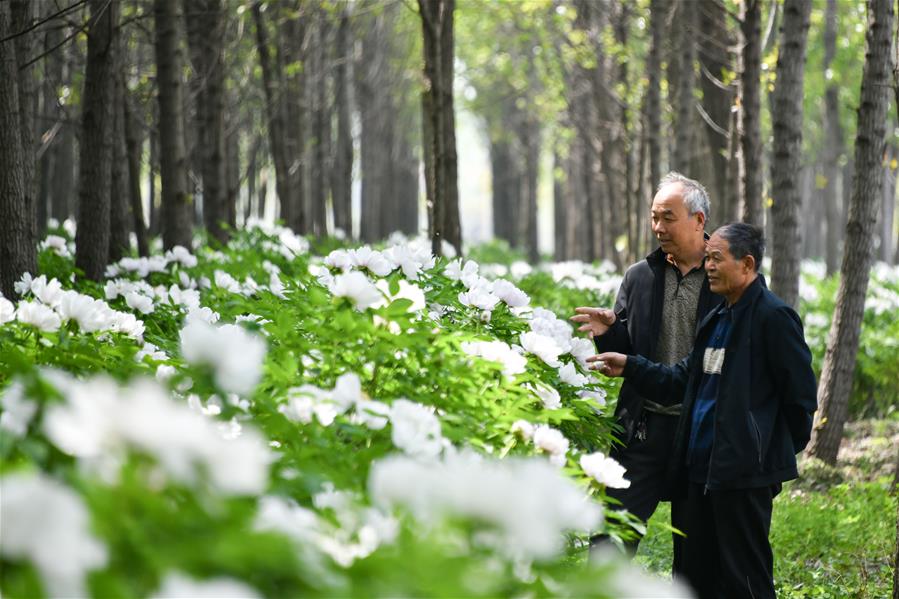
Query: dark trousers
646	461
727	553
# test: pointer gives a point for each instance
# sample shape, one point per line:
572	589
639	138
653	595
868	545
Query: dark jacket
636	329
766	396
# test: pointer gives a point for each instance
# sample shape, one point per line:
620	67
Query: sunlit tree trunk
833	145
858	254
97	130
342	173
787	152
751	112
439	126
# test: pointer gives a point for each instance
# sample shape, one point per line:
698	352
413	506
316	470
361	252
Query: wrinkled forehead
717	244
669	199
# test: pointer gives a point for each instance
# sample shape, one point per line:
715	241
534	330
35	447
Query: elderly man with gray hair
661	301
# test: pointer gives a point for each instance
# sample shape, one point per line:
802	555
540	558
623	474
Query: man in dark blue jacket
749	394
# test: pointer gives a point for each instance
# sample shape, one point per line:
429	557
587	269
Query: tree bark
833	144
205	24
683	128
786	162
133	147
440	130
276	125
751	109
714	40
95	172
120	218
342	173
653	92
177	204
291	59
858	255
17	244
22	12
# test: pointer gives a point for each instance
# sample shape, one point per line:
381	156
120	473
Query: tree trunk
276	125
751	107
133	147
22	13
683	128
97	130
786	162
17	244
440	131
176	201
717	98
654	93
833	144
291	66
205	24
342	173
858	255
120	217
320	124
560	206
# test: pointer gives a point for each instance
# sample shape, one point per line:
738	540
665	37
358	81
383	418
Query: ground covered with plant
273	419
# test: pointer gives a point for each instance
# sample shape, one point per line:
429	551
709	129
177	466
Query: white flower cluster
415	428
551	337
48	524
605	470
177	585
545	438
585	276
412	259
526	505
359	532
235	354
483	293
498	351
100	421
58	245
54	306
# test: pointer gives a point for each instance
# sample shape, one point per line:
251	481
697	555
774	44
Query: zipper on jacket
758	435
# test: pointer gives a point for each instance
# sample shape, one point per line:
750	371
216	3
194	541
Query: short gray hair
696	198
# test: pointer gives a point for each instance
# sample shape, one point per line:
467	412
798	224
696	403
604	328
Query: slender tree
439	124
17	244
176	201
751	112
97	131
833	144
858	255
120	218
686	81
205	24
342	173
786	161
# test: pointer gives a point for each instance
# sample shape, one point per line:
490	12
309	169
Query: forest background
543	124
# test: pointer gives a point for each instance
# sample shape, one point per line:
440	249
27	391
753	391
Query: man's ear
748	262
700	218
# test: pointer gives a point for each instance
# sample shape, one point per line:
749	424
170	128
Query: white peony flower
582	349
521	507
48	524
523	428
235	355
497	351
605	470
48	292
17	410
339	259
597	396
549	396
138	302
481	296
38	315
569	375
553	442
226	281
510	294
409	291
23	285
456	271
541	346
411	259
373	260
181	254
372	414
177	585
415	428
58	245
347	391
356	287
7	310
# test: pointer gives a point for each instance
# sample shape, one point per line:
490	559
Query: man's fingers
580	318
587	310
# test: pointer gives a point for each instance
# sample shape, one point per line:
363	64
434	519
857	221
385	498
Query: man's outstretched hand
595	321
610	364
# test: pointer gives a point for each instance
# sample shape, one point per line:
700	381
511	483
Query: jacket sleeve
663	384
617	338
790	362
